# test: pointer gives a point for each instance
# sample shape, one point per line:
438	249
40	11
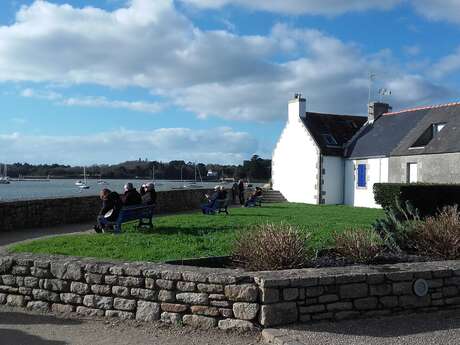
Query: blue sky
84	82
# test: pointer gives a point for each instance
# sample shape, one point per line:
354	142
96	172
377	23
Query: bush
386	194
272	247
358	245
439	236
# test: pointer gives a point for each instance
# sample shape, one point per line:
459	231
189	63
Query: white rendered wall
332	189
376	172
295	161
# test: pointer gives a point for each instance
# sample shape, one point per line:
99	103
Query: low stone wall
224	298
48	212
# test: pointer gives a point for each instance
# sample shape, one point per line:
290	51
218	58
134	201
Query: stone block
442	273
218	297
79	288
42	264
166	296
328	298
404	288
68	271
290	294
220	304
117	270
124	304
221	279
399	276
389	301
3	298
210	288
381	290
323	316
6	264
294	282
165	284
25	291
193	298
131	281
314	291
120	291
99	302
450	291
97	268
245	311
171	318
151	273
38	306
145	294
453	300
366	303
242	293
150	283
55	285
278	314
171	275
123	315
197	321
435	283
376	278
89	311
197	277
452	281
9	279
20	281
133	270
31	282
8	289
111	280
343	315
225	312
353	290
71	298
62	308
338	306
240	325
269	295
20	270
350	278
412	301
45	295
312	309
204	310
186	286
147	311
15	300
326	280
174	308
94	278
40	272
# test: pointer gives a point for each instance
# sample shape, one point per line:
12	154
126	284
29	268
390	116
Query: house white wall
333	180
376	172
295	160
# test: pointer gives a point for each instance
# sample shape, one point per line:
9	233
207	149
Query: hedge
427	198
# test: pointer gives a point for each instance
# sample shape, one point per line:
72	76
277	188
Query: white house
337	159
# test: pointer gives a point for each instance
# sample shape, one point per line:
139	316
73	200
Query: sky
104	81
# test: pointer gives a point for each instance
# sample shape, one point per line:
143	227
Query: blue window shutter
361	175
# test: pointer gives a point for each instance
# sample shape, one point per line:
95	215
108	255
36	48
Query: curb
278	337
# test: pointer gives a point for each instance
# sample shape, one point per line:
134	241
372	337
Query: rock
55	285
314	291
245	311
171	318
130	281
94	278
38	305
174	308
290	294
171	275
111	280
146	294
150	283
45	295
15	300
221	304
204	310
278	314
340	306
389	301
193	298
20	270
270	295
230	324
225	312
366	303
104	290
31	282
5	265
210	288
381	290
404	288
3	298
124	304
166	296
165	284
202	322
9	280
353	290
147	311
124	315
328	298
120	291
186	286
71	298
89	311
98	302
195	277
40	272
242	293
79	288
65	270
312	309
62	308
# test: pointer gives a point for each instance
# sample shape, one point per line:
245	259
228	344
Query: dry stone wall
224	298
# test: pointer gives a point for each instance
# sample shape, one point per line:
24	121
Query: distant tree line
254	169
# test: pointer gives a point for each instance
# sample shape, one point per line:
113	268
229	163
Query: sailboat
101	181
194	184
4	179
153	177
80	184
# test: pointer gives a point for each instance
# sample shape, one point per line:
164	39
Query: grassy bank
196	235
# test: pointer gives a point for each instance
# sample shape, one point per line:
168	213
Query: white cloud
214	145
315	7
447	65
439	9
150	44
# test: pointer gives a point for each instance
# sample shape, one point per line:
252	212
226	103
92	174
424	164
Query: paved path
18	327
420	329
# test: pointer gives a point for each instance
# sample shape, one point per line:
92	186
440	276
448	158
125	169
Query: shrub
358	245
387	194
272	247
439	236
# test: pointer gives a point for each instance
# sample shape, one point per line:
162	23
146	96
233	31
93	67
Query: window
362	178
329	139
412	176
437	127
428	135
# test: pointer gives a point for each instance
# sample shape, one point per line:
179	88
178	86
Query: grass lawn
196	235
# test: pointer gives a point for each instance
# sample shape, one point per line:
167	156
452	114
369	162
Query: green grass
196	235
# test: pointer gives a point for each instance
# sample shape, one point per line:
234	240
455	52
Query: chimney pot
377	109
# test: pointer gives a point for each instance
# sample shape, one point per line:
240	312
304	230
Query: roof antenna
382	93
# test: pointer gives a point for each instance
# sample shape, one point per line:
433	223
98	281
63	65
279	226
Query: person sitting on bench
131	197
111	206
253	198
149	196
210	205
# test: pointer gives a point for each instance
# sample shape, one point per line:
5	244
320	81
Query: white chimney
297	108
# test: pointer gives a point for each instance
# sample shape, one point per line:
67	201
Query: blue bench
219	206
142	213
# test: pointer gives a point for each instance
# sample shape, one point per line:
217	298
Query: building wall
436	168
376	171
295	164
333	180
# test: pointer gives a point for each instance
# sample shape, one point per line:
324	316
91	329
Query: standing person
241	191
111	206
131	196
150	195
143	190
234	192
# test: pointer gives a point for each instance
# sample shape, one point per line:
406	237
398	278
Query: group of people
219	194
112	202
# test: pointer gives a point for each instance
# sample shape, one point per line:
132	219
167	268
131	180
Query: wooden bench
142	213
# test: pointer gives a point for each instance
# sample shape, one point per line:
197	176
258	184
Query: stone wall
48	212
224	298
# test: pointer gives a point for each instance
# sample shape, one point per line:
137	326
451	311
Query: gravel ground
416	329
19	327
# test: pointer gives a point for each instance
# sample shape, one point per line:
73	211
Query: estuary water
28	190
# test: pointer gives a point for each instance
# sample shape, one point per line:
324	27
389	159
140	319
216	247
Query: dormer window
428	135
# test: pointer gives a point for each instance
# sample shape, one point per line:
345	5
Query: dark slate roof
393	134
341	127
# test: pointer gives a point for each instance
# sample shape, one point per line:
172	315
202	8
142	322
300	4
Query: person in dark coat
241	191
208	208
253	198
131	197
110	209
150	195
234	192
